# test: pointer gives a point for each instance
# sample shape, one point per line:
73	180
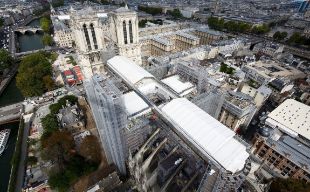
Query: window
94	35
86	37
125	32
130	32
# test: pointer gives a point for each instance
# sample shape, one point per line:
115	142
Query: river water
12	95
30	41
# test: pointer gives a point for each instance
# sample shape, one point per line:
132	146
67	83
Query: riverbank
10	95
15	161
6	81
5	158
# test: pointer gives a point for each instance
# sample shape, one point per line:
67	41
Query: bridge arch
39	31
29	32
19	32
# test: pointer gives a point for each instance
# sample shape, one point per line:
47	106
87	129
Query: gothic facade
98	36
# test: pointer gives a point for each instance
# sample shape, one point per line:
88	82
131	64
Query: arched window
130	32
125	32
94	35
86	37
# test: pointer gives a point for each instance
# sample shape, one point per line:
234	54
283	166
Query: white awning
128	70
207	134
134	104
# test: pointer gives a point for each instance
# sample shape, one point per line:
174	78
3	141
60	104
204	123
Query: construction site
153	133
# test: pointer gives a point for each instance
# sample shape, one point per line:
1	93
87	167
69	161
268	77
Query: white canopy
207	134
128	70
134	104
177	85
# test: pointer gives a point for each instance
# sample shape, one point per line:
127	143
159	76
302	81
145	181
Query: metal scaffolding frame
110	117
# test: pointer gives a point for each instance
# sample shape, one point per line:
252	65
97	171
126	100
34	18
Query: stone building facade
98	36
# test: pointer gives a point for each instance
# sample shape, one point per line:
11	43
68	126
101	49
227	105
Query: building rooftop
177	85
291	117
134	104
298	152
206	133
162	40
186	35
128	70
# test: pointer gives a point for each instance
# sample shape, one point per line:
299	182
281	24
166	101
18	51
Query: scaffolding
211	102
110	117
192	74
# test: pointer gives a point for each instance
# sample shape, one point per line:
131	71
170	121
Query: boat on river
4	137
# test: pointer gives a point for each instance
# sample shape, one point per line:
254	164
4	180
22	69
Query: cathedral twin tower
100	36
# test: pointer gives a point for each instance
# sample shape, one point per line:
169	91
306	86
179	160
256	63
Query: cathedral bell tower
127	34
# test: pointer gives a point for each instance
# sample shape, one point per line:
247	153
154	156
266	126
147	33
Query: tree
59	181
260	29
89	149
5	59
76	167
289	185
150	10
58	3
49	124
142	23
53	57
230	70
32	160
45	24
48	82
1	22
283	35
175	13
279	35
223	67
54	108
30	74
296	38
105	2
59	147
47	40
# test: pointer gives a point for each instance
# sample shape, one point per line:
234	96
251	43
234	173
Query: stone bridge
48	49
28	29
11	113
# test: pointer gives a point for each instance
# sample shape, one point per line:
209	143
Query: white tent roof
207	134
133	103
102	15
64	17
177	85
127	69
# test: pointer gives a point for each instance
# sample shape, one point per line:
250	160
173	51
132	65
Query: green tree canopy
231	26
75	168
45	24
47	40
49	124
175	13
226	69
296	38
30	75
5	59
57	3
279	35
216	23
150	10
289	185
54	108
260	29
